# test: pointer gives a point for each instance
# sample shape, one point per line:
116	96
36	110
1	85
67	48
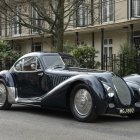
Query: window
28	64
107	10
136	8
17	25
82	16
36	22
108	47
36	47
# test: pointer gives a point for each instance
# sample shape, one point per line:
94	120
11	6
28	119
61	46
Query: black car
55	80
133	82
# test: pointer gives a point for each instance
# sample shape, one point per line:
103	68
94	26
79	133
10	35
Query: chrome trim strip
11	94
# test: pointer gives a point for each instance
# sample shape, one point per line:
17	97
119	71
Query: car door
29	78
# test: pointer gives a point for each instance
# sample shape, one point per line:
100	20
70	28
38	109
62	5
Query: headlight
109	89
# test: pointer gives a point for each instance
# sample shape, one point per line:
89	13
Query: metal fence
122	64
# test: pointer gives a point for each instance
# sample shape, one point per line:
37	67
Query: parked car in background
55	80
133	82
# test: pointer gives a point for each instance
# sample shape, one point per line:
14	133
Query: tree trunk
60	26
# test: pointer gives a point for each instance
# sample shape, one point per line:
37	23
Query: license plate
127	110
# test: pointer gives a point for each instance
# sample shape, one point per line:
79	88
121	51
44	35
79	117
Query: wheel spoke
2	94
83	102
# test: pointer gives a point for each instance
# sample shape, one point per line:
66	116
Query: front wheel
82	103
4	104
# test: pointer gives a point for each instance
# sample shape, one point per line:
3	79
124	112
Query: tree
45	16
7	56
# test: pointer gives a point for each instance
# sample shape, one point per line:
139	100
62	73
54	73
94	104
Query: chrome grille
123	91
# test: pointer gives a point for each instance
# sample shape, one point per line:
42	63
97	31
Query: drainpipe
93	39
77	38
102	48
131	35
32	45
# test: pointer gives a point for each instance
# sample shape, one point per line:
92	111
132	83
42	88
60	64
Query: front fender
7	77
135	87
57	96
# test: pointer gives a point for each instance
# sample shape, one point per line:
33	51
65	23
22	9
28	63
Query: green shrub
7	56
86	55
127	64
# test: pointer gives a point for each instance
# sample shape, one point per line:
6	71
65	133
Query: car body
55	80
133	82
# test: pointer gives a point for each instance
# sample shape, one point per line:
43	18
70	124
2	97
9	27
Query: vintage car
133	82
55	80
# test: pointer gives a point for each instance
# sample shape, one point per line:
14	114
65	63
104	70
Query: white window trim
136	10
135	14
108	46
17	25
108	13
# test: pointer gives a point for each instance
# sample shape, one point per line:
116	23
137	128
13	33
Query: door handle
40	74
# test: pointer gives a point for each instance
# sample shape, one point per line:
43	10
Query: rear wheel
82	103
4	104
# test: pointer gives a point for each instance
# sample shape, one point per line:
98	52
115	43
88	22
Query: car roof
46	53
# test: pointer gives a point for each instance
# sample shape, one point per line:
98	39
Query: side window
19	65
28	64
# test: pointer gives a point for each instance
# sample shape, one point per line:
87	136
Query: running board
34	101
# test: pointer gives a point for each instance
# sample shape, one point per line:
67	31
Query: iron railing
122	64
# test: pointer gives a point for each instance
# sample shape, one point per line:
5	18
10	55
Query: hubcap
83	102
2	94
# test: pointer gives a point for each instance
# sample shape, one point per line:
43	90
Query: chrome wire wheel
2	94
82	102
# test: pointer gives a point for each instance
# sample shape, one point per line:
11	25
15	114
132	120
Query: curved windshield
53	61
56	61
70	61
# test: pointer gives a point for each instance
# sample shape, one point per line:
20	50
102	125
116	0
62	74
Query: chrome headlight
110	91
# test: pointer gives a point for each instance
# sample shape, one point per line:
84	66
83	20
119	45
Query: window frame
107	7
134	8
22	65
17	29
108	46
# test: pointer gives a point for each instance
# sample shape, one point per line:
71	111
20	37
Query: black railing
122	64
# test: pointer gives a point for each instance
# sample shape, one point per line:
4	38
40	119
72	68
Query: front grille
123	91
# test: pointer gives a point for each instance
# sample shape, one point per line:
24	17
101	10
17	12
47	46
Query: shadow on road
68	116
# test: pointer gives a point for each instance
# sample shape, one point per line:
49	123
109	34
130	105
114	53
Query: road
27	123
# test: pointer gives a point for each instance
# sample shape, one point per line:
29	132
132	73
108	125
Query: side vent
57	79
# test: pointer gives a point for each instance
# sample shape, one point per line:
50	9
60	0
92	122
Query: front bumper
124	110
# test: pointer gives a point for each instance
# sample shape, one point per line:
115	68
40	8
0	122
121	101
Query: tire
4	104
82	103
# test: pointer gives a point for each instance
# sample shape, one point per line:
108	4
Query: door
29	78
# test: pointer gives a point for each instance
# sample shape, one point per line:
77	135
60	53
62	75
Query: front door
29	78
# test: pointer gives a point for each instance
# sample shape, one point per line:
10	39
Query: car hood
101	75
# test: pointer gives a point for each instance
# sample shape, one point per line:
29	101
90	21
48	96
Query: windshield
70	61
55	61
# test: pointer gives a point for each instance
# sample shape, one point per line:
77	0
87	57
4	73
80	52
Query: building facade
103	24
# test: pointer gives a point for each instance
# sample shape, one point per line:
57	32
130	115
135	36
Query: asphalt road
27	123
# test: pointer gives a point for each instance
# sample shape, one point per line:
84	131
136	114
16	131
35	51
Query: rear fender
58	94
7	77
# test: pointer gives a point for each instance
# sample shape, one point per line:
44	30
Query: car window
28	64
52	61
70	62
19	65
